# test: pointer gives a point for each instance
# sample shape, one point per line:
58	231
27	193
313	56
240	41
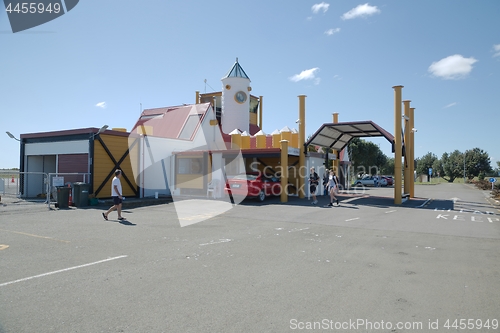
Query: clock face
240	97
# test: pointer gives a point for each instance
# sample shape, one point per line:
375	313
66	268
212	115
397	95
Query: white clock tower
235	100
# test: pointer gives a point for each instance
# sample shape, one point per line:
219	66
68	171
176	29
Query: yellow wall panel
103	165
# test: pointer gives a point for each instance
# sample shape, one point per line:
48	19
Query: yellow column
406	164
295	139
302	139
245	140
284	171
276	138
197	97
235	139
336	162
397	144
260	139
412	152
260	111
286	134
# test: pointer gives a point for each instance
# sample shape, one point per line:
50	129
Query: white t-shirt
116	181
332	181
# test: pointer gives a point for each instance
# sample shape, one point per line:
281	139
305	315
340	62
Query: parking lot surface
365	266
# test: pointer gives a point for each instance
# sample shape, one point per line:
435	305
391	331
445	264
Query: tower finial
236	59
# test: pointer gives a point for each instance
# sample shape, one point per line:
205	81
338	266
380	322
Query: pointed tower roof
236	71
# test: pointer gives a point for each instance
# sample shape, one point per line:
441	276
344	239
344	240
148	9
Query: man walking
116	193
313	183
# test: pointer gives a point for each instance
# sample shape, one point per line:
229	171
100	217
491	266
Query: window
190	165
189	127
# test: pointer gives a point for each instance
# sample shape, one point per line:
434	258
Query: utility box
63	196
81	194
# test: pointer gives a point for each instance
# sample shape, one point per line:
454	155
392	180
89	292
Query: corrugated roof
338	135
175	122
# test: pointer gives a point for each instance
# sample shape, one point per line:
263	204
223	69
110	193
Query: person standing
116	193
325	182
332	187
313	183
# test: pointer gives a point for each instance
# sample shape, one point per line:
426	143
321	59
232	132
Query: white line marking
425	203
356	218
61	270
220	241
352	199
391	211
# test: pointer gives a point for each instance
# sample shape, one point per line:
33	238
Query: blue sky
97	63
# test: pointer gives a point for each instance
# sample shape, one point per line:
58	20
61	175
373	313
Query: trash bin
81	194
63	196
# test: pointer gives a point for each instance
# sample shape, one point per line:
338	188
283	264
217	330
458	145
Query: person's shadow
126	222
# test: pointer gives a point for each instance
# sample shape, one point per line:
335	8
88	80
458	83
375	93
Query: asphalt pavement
431	264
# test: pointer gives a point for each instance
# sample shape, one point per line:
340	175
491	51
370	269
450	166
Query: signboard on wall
58	181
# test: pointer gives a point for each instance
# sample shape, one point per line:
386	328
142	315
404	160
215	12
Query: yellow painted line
37	236
3	247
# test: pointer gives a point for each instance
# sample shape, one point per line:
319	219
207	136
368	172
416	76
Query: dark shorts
117	200
312	188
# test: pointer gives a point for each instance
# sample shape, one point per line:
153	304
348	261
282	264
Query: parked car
389	180
370	181
254	184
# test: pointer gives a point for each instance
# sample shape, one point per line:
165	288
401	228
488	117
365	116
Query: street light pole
12	136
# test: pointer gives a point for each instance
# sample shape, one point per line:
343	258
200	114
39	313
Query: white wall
54	148
149	172
235	115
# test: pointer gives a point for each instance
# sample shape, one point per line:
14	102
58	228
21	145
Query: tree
437	168
477	162
366	157
453	165
388	167
425	163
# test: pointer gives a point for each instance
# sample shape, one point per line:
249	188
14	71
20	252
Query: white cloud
450	105
330	32
320	7
452	68
317	81
496	49
308	74
361	11
101	105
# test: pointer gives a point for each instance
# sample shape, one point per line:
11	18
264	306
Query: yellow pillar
412	152
260	111
197	97
397	144
245	140
295	139
284	171
335	163
302	140
406	164
276	138
260	139
286	134
235	139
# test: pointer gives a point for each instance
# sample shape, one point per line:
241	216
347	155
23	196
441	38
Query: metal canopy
338	135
